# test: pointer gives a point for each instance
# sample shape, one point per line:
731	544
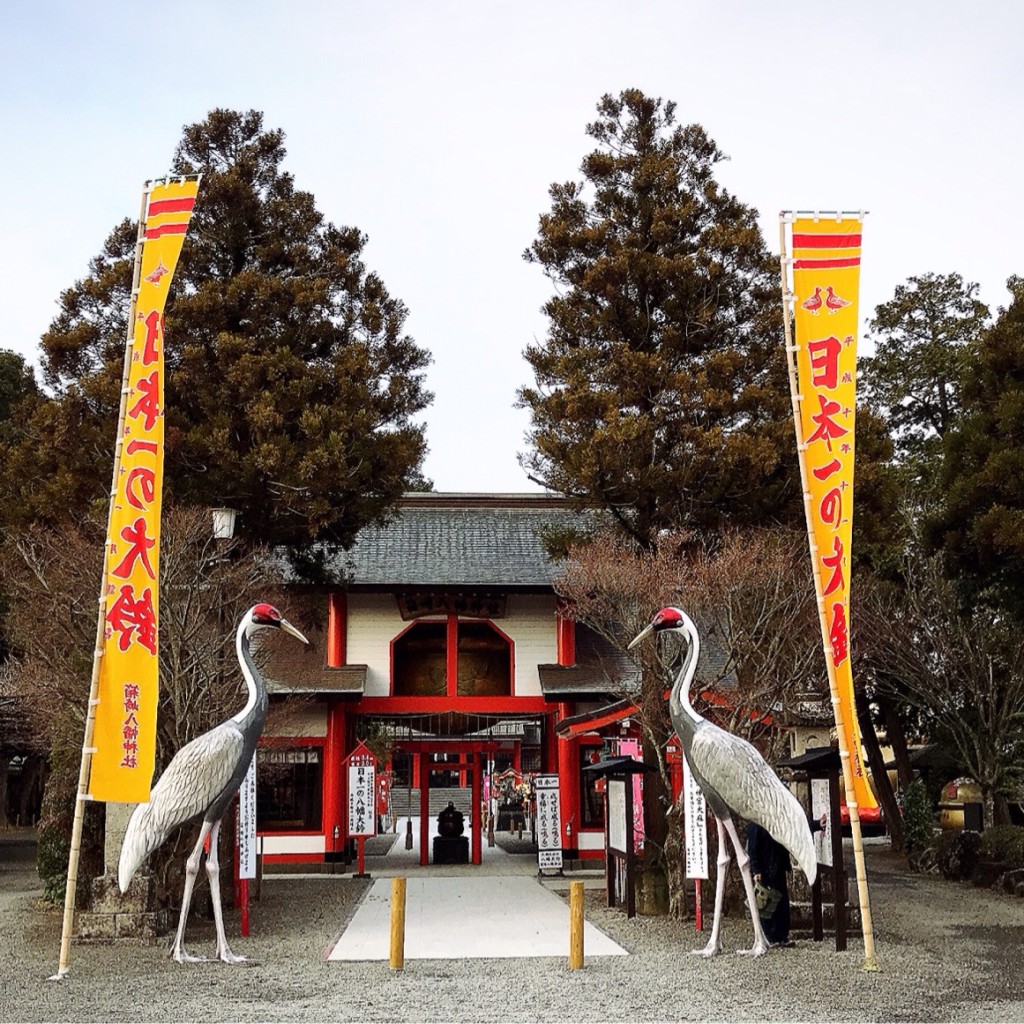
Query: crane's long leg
213	870
191	870
760	946
714	945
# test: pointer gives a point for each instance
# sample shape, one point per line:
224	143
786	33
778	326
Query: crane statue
735	779
203	778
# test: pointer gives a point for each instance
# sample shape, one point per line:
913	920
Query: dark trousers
776	927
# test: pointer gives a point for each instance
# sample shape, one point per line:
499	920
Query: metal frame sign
549	822
696	811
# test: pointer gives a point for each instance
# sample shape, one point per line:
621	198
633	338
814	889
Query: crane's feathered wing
747	784
191	783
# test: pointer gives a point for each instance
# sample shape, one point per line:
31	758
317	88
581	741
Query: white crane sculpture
735	779
203	778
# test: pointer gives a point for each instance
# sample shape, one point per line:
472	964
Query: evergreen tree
980	527
661	391
923	338
291	386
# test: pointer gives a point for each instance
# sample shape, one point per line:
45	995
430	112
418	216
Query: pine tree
661	391
291	386
923	337
980	527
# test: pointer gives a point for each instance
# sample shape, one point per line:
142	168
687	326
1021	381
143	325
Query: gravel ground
947	952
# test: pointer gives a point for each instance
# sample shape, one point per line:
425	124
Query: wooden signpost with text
362	800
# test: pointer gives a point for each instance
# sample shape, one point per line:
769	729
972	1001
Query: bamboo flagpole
831	247
119	746
82	794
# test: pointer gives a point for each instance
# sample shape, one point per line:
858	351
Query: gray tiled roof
440	544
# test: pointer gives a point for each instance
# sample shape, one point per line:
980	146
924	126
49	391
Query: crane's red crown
266	615
667	618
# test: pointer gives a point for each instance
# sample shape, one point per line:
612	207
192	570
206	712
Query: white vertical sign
247	823
617	816
549	822
696	811
820	809
362	796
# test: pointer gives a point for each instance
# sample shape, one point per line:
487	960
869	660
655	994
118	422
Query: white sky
436	127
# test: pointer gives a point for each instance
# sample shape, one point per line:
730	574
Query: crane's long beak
641	636
289	628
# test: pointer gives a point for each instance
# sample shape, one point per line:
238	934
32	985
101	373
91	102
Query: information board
549	822
362	797
819	810
247	824
696	825
617	815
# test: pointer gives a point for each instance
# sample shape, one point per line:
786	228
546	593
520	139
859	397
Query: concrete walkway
497	909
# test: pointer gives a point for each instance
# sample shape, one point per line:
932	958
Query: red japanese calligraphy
824	472
135	620
130	727
835	563
837	634
148	404
824	355
828	429
140	545
138	445
154	332
831	507
145	479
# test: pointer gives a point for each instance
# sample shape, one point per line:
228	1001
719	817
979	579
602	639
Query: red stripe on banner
853	261
166	229
171	206
826	241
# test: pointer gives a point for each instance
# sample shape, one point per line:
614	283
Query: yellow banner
125	732
826	282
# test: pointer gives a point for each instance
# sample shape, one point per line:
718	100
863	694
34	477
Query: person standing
770	864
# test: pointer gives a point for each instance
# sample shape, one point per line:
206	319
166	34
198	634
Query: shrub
918	820
52	855
1004	843
957	854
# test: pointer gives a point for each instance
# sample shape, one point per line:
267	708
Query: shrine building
442	640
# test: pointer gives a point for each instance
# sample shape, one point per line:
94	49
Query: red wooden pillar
517	756
334	783
337	629
425	817
551	744
566	641
569	786
475	820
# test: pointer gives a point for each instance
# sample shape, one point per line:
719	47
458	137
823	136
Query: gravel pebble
946	951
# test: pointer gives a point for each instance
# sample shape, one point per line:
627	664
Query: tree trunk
880	777
897	740
652	879
4	762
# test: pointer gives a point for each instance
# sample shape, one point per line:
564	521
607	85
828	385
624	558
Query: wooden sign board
549	822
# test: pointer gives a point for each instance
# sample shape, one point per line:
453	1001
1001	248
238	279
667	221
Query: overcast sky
437	127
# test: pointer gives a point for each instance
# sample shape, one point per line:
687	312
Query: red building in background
440	636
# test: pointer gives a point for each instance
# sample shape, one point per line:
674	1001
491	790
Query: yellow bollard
575	925
397	924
